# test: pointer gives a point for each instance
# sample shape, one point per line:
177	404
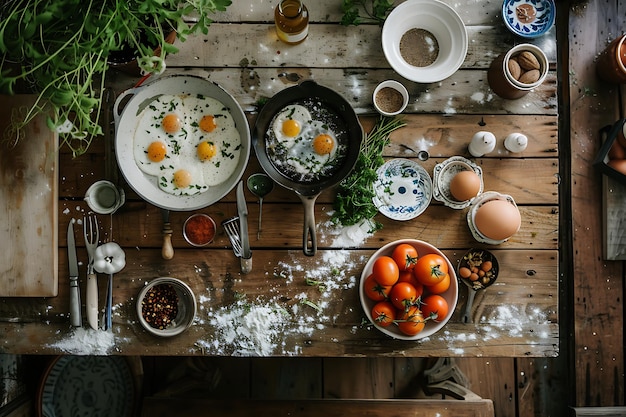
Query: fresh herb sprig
374	11
353	202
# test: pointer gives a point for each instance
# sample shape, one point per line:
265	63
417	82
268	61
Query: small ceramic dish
441	36
476	204
390	98
166	307
529	18
475	261
199	229
443	174
403	189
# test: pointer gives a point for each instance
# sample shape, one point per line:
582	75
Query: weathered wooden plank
492	378
598	319
358	378
142	225
286	378
157	407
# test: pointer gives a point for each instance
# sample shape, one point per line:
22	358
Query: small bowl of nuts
478	268
518	71
166	307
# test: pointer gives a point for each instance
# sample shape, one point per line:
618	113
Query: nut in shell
529	77
514	68
528	61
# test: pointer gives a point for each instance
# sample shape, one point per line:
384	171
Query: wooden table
517	316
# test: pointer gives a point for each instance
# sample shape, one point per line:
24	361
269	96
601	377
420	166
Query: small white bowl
471	215
382	106
436	17
186	307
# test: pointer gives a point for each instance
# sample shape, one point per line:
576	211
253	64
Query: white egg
172	140
289	122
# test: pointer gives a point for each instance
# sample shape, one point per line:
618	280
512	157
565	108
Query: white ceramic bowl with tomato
450	295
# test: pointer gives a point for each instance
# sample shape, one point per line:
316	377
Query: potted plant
60	50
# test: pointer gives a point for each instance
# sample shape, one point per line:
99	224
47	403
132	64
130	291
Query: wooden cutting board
28	206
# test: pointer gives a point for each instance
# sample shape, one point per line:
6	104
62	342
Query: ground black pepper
389	99
419	47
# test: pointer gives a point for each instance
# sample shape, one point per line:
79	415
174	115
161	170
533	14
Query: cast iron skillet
309	191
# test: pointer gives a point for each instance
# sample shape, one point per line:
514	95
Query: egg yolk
206	150
156	151
207	123
323	144
291	128
182	178
171	123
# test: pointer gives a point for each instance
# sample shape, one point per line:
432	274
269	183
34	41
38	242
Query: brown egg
617	151
497	219
465	185
618	164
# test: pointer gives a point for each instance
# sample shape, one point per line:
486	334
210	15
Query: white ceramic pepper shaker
482	143
516	142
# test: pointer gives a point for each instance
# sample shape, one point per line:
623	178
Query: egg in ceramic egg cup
445	172
504	223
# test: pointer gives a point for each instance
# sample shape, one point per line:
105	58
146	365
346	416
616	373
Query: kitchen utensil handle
92	301
258	232
246	265
467	314
76	319
167	251
309	237
109	306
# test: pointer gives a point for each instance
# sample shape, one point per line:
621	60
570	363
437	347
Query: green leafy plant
356	12
60	50
353	202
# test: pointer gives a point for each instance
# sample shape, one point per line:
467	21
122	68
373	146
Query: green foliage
353	202
60	50
373	11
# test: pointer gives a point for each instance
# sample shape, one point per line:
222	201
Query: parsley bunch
374	10
353	202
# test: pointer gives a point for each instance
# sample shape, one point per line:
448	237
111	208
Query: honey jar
292	21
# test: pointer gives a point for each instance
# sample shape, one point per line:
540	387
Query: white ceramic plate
437	18
543	20
147	185
451	295
402	190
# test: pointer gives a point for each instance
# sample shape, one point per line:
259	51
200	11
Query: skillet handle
309	235
117	112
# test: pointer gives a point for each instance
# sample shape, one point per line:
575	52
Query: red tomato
430	269
383	313
386	270
403	295
405	256
407	276
440	288
374	290
411	322
434	307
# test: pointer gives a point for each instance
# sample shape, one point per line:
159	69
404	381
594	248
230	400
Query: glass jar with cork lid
292	21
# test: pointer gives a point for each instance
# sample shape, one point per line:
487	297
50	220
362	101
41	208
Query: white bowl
451	295
396	86
476	204
437	18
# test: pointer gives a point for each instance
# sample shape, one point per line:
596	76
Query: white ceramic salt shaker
482	143
516	142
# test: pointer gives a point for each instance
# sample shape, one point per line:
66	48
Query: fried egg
289	123
313	149
189	143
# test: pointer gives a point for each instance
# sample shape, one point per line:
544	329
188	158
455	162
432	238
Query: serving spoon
260	185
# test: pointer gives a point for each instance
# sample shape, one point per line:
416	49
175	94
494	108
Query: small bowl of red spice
199	229
390	98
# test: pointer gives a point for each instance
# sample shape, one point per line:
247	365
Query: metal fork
92	237
232	230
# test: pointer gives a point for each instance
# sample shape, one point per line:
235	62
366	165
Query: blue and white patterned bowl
529	18
403	189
